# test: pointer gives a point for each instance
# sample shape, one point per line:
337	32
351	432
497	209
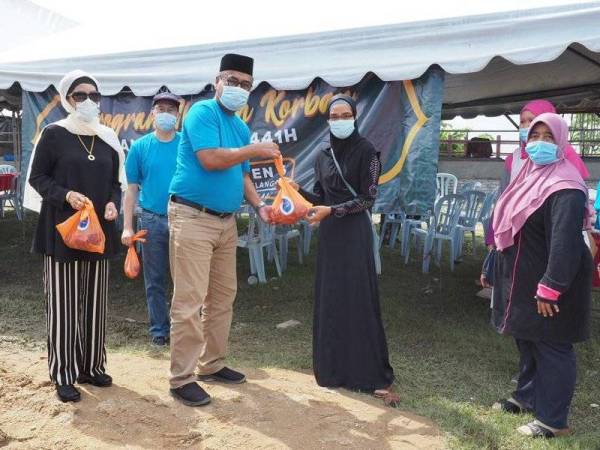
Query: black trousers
76	294
547	380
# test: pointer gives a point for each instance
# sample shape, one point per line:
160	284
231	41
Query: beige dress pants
202	251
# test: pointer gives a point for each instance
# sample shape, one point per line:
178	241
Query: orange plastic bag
132	262
289	206
82	231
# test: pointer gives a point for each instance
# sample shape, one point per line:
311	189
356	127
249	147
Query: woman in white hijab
76	159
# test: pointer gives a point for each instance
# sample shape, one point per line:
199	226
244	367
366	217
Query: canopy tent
493	62
10	99
406	78
23	21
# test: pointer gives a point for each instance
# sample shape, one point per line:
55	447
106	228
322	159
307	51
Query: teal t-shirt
207	126
151	165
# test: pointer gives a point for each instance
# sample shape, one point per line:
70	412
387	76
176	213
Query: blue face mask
234	98
165	121
341	129
542	153
523	134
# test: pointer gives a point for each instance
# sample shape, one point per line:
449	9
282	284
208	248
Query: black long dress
349	344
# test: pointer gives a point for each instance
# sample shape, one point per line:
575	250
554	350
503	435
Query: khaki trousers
202	251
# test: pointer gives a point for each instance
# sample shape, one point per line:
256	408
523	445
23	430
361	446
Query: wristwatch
260	205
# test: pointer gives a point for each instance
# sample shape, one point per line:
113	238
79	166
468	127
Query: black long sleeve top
361	167
550	250
61	165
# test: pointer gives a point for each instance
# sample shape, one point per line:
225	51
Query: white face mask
87	110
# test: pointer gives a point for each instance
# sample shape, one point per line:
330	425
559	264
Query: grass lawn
450	365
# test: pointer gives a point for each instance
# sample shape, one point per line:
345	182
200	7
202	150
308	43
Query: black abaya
349	344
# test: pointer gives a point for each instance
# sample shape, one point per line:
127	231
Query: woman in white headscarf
76	159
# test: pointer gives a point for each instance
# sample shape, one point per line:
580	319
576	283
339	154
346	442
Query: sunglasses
83	96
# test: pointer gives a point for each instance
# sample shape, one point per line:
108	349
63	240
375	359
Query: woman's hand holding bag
82	231
289	206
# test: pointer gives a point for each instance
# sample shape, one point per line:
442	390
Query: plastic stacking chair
401	225
10	181
306	236
446	184
470	186
441	227
488	209
258	237
408	225
395	221
376	253
7	168
469	218
282	235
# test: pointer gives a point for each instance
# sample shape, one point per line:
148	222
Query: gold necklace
90	150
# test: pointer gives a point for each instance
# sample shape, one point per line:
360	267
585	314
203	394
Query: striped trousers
76	296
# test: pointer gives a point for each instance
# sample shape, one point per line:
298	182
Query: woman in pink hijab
543	276
515	161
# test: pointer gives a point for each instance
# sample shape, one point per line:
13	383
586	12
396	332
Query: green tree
586	132
448	133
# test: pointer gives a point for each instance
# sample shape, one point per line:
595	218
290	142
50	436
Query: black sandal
509	406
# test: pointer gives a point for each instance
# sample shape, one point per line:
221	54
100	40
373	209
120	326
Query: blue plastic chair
282	235
488	209
446	184
307	230
12	195
441	227
258	237
395	222
470	217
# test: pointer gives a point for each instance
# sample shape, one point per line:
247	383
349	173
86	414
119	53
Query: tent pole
511	121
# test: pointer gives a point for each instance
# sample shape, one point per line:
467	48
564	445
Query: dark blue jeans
155	259
547	379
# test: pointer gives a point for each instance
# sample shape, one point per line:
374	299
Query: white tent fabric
23	21
492	61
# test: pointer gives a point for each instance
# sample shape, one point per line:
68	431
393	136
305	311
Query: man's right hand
265	150
126	236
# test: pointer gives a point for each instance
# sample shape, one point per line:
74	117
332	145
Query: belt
183	201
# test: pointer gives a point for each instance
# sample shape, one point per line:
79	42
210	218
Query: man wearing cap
210	181
150	167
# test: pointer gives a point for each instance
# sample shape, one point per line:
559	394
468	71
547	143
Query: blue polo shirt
151	164
207	126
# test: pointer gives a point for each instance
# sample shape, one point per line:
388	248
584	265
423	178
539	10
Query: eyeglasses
83	96
233	81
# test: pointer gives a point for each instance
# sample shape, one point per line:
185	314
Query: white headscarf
31	199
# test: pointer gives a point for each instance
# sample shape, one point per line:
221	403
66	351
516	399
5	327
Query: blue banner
401	119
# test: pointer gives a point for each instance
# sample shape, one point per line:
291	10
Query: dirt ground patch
275	409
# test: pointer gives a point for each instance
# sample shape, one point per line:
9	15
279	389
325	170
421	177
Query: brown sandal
389	397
